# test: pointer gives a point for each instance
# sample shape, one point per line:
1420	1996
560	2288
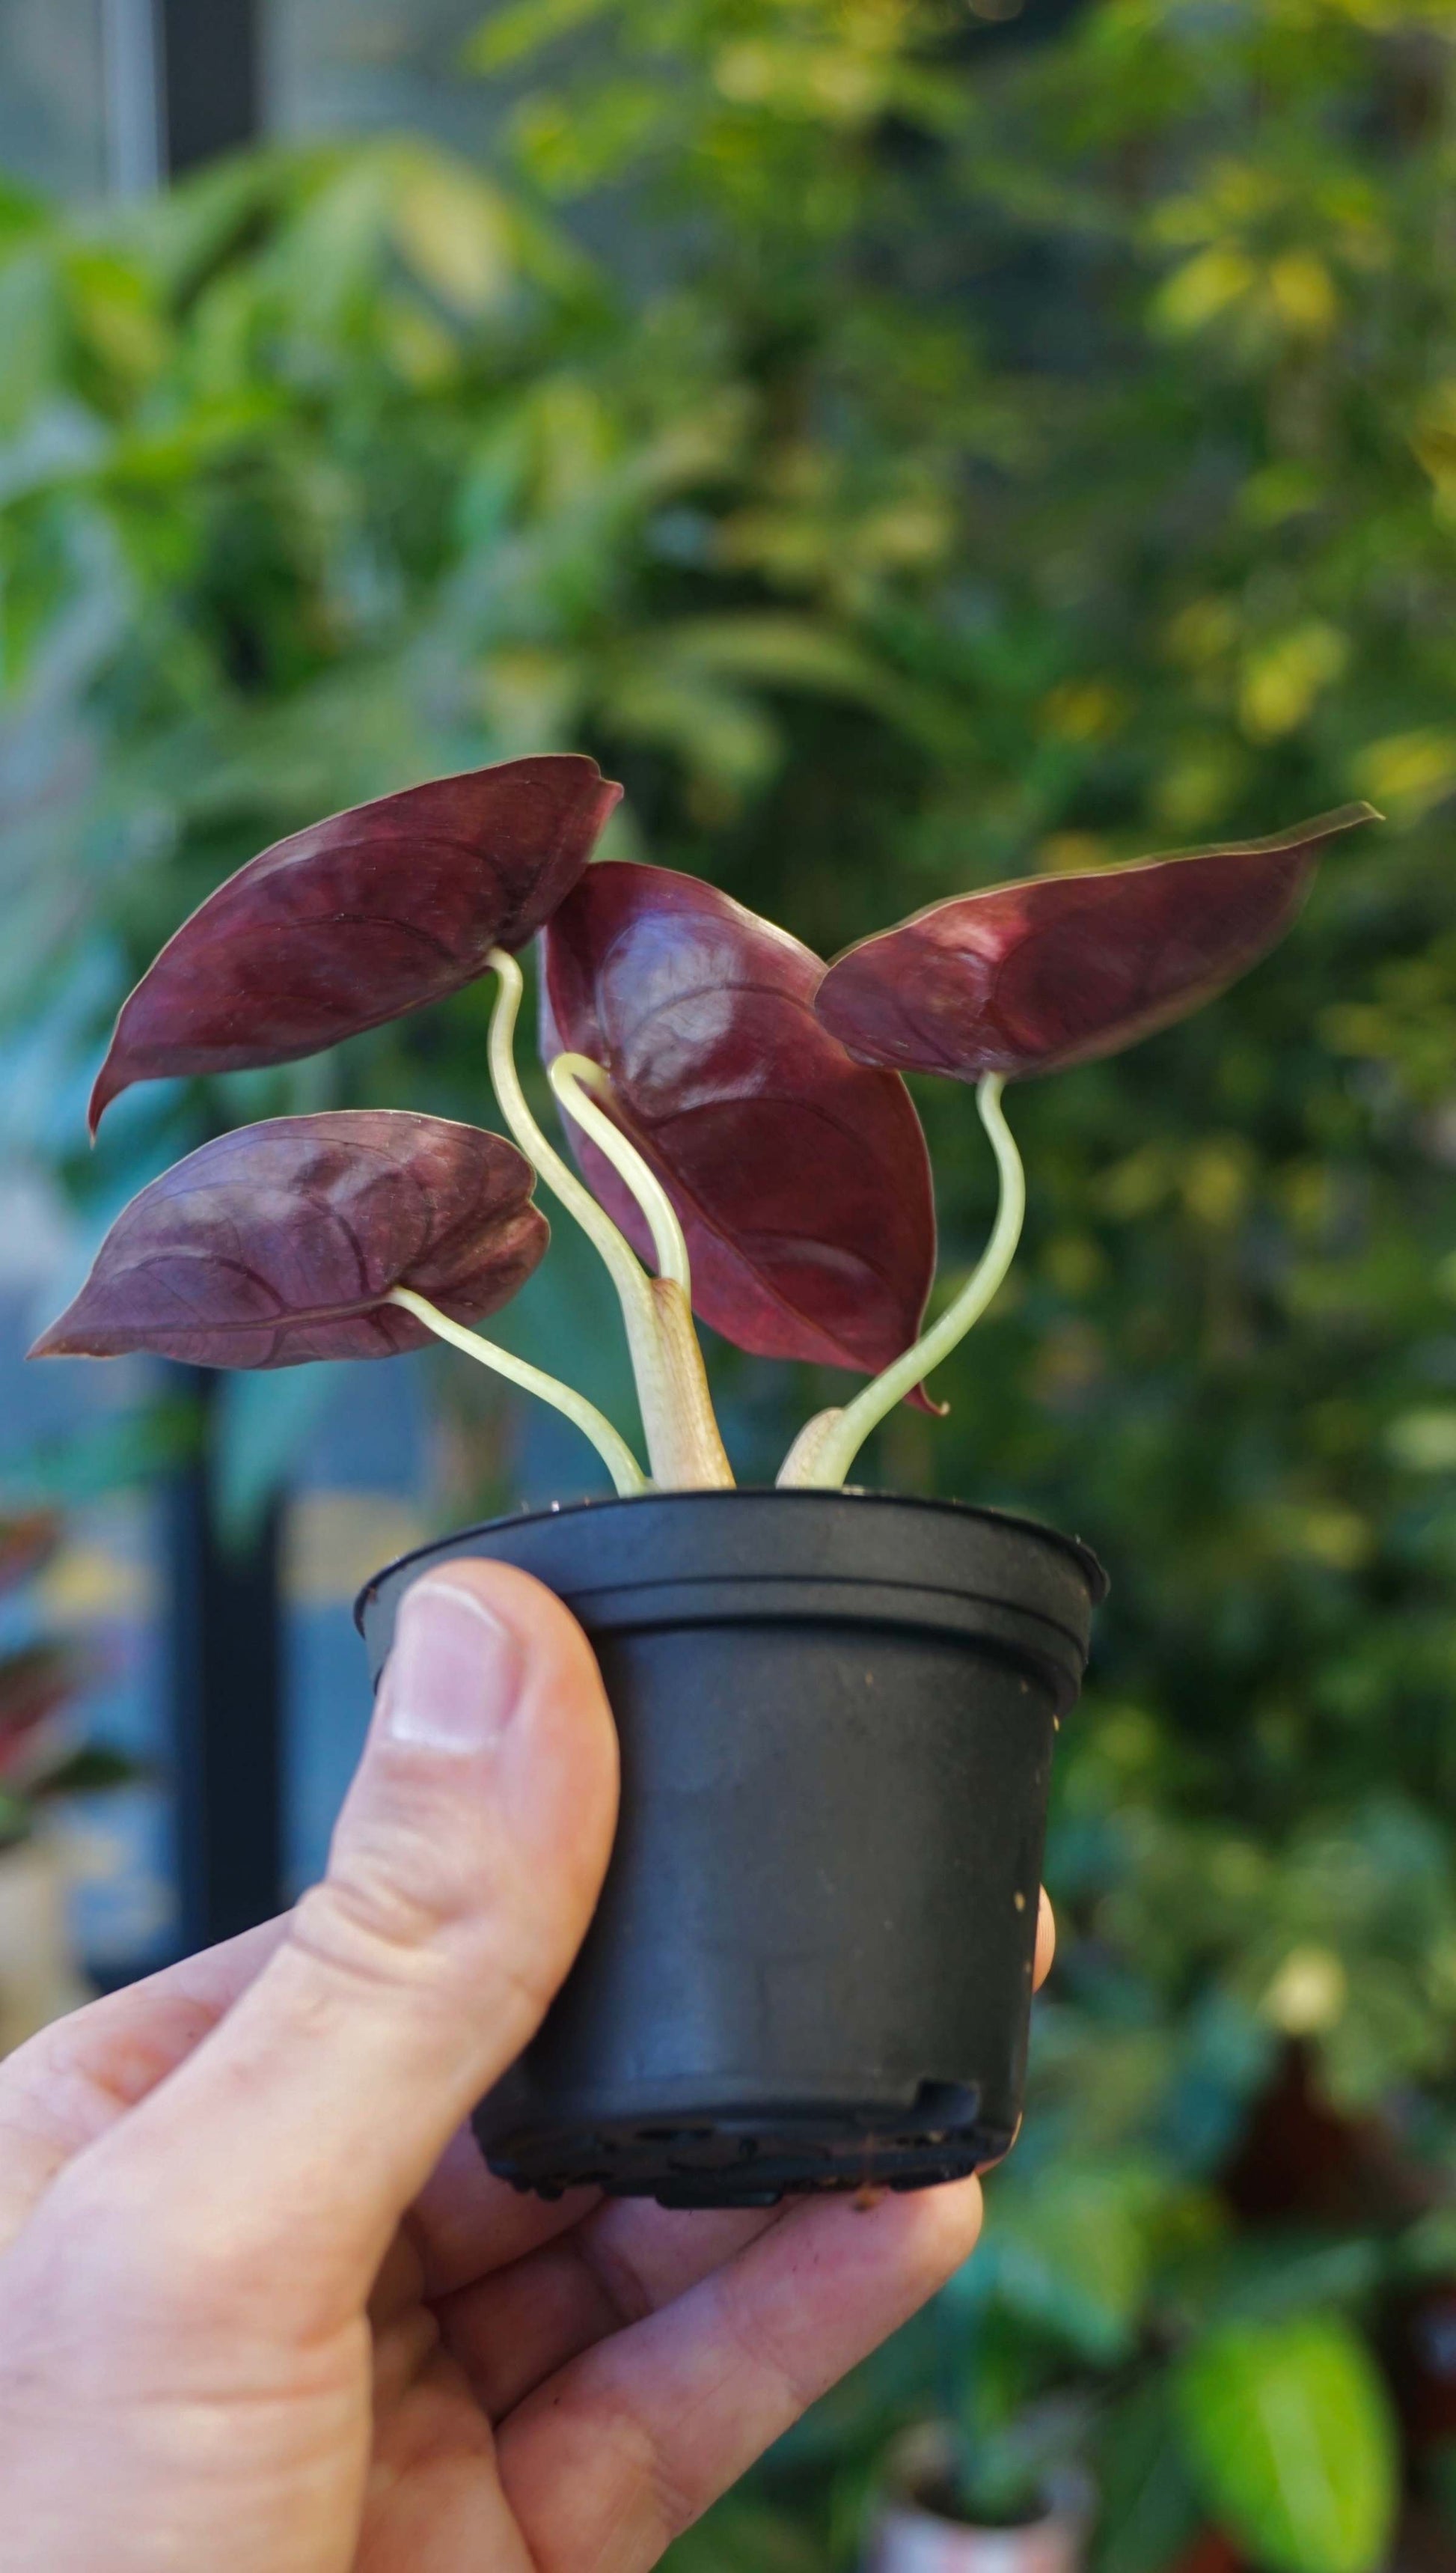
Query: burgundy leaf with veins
800	1179
1031	977
281	1241
358	919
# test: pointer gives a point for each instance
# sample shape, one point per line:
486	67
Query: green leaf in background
1151	2510
111	1455
528	26
1267	2277
1069	2251
1292	2443
745	2537
93	1771
264	1426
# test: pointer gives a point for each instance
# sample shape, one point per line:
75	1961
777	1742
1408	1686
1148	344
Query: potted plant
811	1965
1009	2503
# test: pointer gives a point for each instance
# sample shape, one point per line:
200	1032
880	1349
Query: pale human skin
262	2307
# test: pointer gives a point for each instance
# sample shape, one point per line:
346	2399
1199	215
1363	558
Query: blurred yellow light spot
1408	773
1237	1871
530	695
1321	1533
456	235
1129	1737
1278	491
1356	1027
1070	853
1134	1186
1308	1993
837	80
1073	1262
420	348
337	1539
1203	287
1202	633
89	1584
1083	710
1283	676
911	531
1214	1182
1308	1195
1197	786
1426	1440
1304	294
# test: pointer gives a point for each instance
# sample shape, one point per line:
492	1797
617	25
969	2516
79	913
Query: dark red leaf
358	919
800	1179
279	1243
1030	977
27	1542
35	1687
1211	2552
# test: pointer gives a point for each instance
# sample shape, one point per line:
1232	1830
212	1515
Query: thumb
465	1864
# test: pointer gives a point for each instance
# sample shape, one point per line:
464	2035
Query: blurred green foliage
1288	2427
909	449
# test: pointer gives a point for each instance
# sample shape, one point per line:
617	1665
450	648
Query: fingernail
453	1674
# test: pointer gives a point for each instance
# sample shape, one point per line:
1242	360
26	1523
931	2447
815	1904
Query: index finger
613	2456
79	2077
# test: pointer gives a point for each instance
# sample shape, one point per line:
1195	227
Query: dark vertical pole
224	1657
211	79
227	1610
184	84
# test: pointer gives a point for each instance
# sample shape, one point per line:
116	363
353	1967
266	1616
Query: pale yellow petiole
826	1447
683	1442
627	1272
617	1455
571	1076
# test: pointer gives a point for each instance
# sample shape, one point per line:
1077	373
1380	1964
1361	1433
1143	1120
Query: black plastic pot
811	1963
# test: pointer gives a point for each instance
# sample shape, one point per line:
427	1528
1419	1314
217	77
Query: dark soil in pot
811	1965
916	2534
927	2523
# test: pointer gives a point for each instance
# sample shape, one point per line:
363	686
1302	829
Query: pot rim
1081	1552
1069	2494
917	2515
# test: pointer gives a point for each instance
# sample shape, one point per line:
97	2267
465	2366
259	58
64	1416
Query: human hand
263	2309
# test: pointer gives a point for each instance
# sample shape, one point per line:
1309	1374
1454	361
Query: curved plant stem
824	1452
627	1272
683	1440
617	1455
571	1076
